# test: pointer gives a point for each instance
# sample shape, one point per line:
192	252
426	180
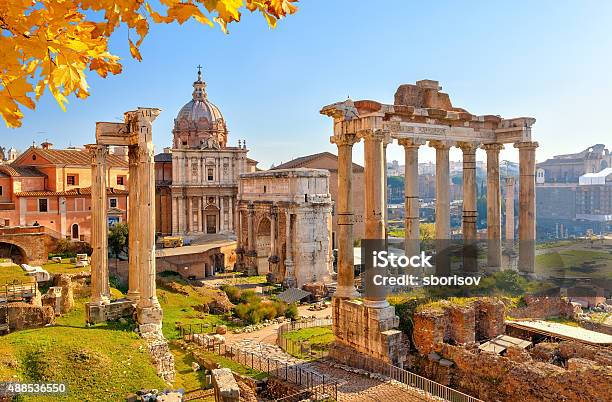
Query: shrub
248	296
292	311
232	292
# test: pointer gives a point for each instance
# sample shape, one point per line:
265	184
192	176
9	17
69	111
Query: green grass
576	263
186	378
15	273
178	306
101	363
314	336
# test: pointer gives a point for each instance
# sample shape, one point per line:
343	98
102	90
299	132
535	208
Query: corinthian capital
344	139
468	147
371	135
493	147
98	153
410	142
530	145
441	144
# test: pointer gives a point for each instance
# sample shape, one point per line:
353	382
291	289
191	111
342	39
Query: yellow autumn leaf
134	51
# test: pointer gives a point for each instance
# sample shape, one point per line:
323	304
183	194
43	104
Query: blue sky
548	59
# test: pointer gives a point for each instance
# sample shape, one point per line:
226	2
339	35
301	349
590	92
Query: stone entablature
284	225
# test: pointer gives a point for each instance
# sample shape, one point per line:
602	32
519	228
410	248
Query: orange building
52	188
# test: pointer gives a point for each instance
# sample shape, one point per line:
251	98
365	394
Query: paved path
352	386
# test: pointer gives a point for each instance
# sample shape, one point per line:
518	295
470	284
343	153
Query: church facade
197	179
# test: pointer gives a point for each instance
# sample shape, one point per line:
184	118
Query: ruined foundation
367	331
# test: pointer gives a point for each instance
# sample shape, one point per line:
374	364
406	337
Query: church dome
199	122
199	107
196	109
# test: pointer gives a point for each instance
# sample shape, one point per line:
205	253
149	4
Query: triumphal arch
421	114
136	134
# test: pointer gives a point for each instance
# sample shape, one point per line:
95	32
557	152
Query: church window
210	174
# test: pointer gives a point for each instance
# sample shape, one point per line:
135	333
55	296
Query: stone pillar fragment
509	208
100	289
493	206
411	192
134	225
374	199
346	270
527	206
442	225
290	280
469	213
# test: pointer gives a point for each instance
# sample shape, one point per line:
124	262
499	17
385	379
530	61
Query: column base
346	292
149	318
375	303
133	296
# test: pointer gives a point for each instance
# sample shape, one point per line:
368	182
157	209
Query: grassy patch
314	336
12	273
576	263
232	365
186	378
178	305
97	363
563	320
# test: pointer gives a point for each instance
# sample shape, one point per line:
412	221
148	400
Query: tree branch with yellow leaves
51	44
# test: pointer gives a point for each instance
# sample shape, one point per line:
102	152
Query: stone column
149	309
200	222
510	208
100	290
411	192
442	225
375	195
133	225
290	280
469	214
527	213
442	189
250	228
222	214
231	214
189	170
273	215
190	215
174	215
346	274
374	184
494	256
386	141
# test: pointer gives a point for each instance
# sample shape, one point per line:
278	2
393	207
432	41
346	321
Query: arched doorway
262	245
211	219
14	252
75	231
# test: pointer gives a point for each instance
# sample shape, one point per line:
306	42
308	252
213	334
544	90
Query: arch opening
14	252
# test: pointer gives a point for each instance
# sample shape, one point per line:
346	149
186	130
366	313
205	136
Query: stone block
226	387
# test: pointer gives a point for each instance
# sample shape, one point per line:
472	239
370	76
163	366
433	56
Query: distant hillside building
574	193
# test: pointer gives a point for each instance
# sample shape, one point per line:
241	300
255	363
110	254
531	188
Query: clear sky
548	59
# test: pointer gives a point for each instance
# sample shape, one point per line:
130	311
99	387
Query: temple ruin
136	134
420	114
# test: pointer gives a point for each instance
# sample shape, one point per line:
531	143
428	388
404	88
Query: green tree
118	235
427	231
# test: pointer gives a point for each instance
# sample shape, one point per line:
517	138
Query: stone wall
371	331
161	357
540	307
24	315
479	320
491	377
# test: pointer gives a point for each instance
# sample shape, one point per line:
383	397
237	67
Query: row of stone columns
182	214
374	151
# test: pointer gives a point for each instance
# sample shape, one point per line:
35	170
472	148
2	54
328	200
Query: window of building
120	180
43	205
72	179
0	190
211	174
75	231
112	202
265	188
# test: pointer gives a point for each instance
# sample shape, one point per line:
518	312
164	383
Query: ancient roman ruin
420	114
284	219
136	134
